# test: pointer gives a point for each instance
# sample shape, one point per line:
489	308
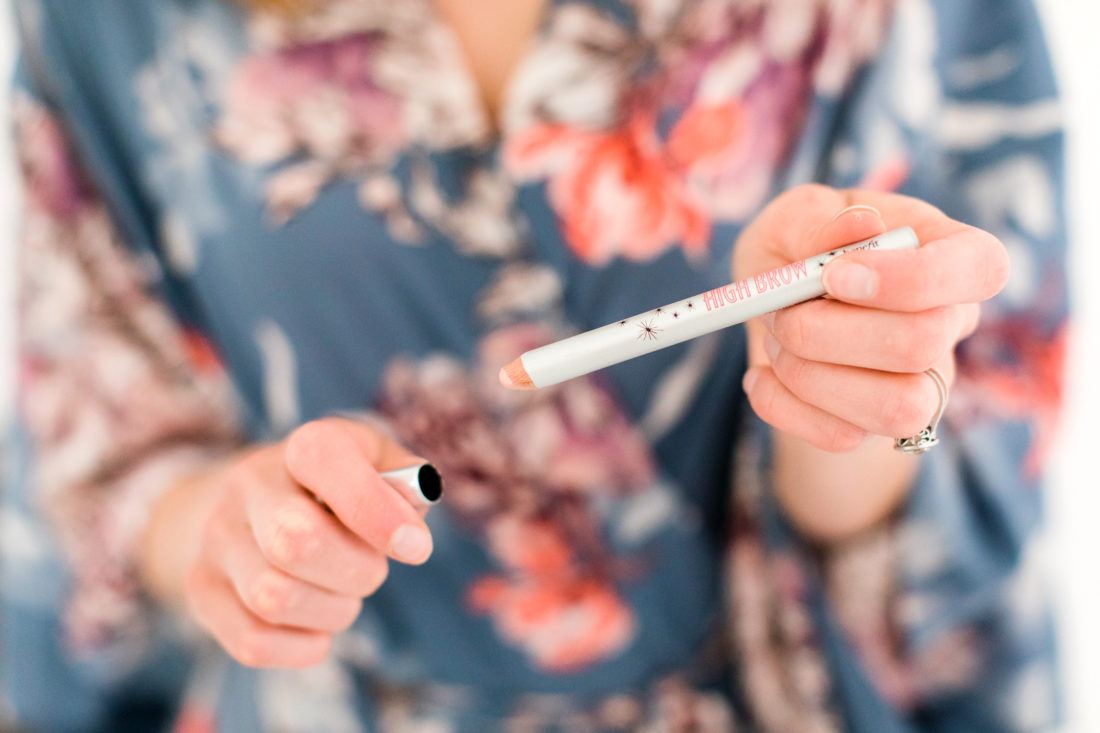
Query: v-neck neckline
493	112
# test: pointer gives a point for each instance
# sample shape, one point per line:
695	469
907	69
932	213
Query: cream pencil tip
514	376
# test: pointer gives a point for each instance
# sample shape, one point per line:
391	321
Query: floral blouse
236	222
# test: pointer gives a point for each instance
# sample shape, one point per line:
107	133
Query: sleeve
117	396
938	620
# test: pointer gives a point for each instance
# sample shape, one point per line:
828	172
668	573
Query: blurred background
1073	525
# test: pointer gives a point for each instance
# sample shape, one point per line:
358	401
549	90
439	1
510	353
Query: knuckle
252	648
926	340
923	281
294	538
347	615
372	576
916	356
196	586
303	447
763	398
270	595
844	439
907	414
244	474
970	317
219	534
808	193
794	372
358	514
997	270
790	331
316	652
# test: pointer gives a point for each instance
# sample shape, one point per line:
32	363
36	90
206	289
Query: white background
1074	526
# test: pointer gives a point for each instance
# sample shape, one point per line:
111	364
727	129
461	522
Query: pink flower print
317	98
616	192
53	183
732	180
593	429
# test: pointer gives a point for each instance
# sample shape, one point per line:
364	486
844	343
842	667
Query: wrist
173	532
830	497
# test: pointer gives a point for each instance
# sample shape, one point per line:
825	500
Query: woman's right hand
276	573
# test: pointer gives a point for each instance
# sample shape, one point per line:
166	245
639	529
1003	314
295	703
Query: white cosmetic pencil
685	319
420	484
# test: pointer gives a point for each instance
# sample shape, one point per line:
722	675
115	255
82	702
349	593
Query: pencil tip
514	376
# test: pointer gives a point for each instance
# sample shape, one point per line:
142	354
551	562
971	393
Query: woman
272	251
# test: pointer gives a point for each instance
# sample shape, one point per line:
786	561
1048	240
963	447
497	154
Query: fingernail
850	281
771	346
411	544
768	319
864	208
749	380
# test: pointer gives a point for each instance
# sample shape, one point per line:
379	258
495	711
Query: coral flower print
1014	367
615	192
563	620
706	132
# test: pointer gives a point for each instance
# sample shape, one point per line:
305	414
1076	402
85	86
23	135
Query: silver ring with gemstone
926	439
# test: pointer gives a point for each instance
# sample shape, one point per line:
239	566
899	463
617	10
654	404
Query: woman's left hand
835	370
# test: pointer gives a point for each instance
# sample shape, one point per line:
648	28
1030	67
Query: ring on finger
927	438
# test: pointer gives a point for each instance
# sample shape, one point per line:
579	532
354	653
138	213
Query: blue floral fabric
239	220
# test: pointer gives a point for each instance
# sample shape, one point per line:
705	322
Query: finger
246	637
297	535
970	318
965	266
780	408
883	403
851	224
836	332
808	220
281	599
339	461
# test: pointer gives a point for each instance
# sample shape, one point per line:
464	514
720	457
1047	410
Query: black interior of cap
431	483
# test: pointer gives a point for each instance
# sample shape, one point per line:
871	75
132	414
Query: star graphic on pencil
622	322
648	332
658	311
690	305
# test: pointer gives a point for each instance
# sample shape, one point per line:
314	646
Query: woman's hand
834	371
840	377
273	573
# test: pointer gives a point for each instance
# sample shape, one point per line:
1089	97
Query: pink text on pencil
762	283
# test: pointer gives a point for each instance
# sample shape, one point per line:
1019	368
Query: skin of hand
839	377
258	560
